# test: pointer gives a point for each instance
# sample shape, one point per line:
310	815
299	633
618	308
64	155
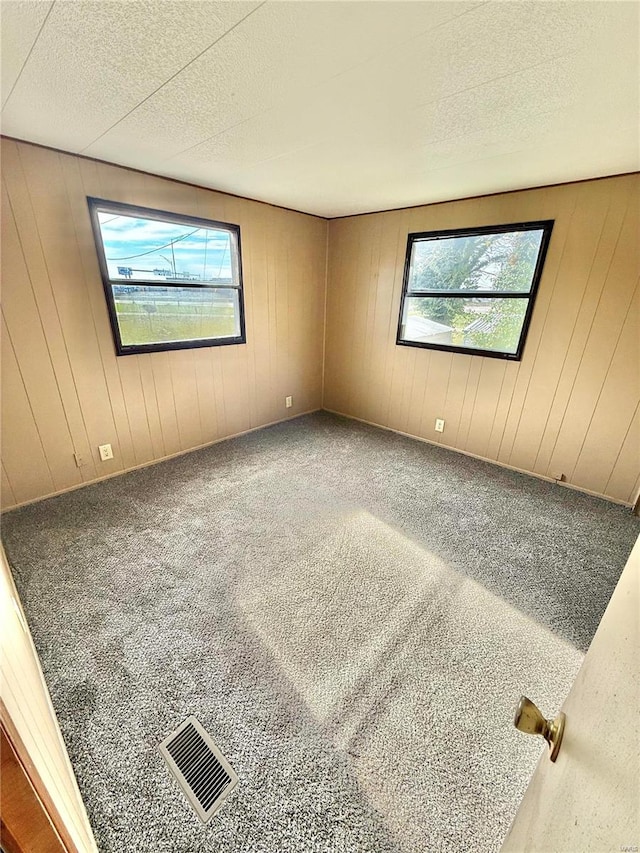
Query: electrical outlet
439	425
105	452
79	459
288	401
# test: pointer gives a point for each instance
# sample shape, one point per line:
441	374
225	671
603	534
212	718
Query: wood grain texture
571	406
64	389
24	823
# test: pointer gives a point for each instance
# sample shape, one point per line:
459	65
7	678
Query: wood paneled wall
64	391
570	406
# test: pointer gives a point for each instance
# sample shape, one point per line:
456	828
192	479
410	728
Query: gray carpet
352	615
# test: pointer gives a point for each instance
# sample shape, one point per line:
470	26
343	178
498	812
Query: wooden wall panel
55	228
622	194
20	205
624	478
570	406
64	389
5	486
30	349
615	409
573	393
24	457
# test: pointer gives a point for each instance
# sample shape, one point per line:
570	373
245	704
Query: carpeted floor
352	615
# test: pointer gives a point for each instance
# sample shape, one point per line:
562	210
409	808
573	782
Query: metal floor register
202	771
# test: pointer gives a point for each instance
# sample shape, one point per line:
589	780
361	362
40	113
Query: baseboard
308	412
482	458
155	461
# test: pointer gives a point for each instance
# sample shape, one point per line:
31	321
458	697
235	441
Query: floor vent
201	769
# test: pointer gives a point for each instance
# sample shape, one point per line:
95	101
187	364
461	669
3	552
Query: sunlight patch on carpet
397	654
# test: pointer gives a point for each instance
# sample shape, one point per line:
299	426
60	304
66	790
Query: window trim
100	205
544	225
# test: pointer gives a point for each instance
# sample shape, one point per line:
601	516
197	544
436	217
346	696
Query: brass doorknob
530	721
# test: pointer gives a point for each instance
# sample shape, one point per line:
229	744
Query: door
33	736
589	799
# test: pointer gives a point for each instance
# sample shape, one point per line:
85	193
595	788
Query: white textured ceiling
331	107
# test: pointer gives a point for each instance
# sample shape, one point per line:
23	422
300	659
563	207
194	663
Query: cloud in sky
145	245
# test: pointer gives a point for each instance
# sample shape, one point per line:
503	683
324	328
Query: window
472	290
171	281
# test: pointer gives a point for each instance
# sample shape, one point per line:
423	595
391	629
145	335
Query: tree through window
472	290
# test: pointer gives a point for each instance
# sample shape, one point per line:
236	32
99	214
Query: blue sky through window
138	249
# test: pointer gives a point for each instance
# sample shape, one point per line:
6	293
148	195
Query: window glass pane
478	262
138	249
148	315
477	323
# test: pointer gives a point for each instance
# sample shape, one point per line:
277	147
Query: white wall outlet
288	401
105	452
79	459
439	425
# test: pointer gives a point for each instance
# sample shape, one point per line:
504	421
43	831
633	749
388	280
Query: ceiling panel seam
173	76
323	82
544	63
24	64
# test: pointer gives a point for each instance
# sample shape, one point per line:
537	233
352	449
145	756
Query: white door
589	799
26	701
